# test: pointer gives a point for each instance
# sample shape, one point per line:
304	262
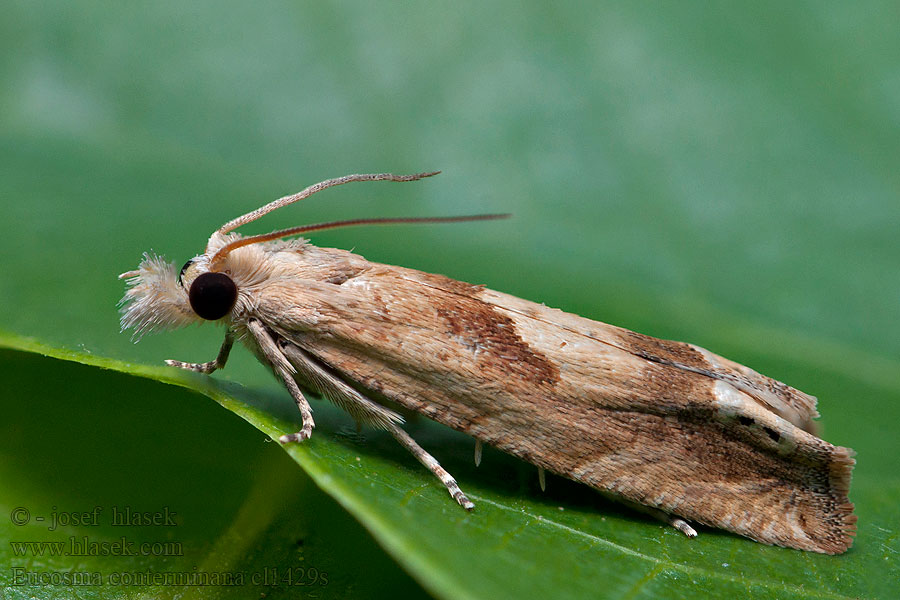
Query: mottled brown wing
789	403
664	424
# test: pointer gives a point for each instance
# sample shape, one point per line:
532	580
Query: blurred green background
720	173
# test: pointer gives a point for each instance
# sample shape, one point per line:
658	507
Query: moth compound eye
212	295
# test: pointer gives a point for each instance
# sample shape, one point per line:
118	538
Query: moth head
161	297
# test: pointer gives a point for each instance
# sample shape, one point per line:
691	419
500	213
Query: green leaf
724	175
563	543
78	440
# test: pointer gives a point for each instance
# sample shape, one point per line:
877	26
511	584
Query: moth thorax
212	295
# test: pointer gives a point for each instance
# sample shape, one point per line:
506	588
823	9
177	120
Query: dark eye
181	273
212	295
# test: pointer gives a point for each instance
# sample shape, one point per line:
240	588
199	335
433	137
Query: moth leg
670	519
318	377
313	375
209	367
431	464
682	526
676	522
305	412
283	368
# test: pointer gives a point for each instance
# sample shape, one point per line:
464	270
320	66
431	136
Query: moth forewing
583	400
670	426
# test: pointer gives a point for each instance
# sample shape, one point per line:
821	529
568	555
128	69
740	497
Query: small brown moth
669	426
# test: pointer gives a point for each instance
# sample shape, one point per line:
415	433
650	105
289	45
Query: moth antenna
478	447
542	479
276	204
266	237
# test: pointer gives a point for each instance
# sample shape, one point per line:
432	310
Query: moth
667	426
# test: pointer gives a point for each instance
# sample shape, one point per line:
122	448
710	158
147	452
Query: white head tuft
155	299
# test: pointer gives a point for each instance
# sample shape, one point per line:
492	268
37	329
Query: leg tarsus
668	518
432	464
208	367
305	412
682	526
676	522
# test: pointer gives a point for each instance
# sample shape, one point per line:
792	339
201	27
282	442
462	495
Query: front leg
209	367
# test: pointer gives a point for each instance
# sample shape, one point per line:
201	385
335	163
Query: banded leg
366	411
676	522
209	367
432	465
668	518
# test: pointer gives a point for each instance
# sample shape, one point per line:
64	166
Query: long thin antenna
275	204
266	237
